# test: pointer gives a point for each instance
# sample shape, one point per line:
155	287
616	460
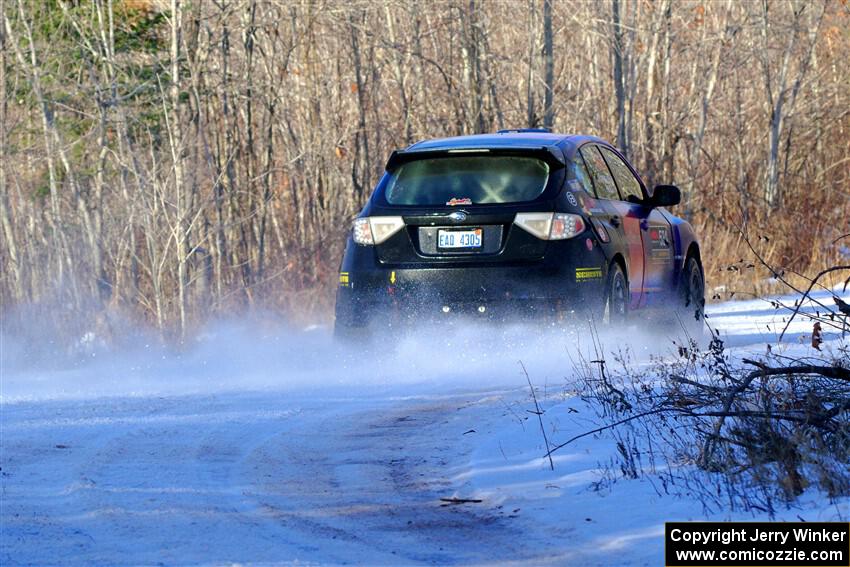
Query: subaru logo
458	216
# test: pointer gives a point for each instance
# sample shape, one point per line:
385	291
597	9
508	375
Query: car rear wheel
616	303
692	296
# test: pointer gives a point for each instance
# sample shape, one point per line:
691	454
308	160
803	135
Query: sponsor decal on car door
645	224
630	225
659	258
617	218
650	251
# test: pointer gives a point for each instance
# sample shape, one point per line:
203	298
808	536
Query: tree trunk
5	209
619	81
548	66
181	230
707	95
531	112
59	251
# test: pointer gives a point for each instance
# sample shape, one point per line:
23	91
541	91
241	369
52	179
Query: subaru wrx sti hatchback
522	223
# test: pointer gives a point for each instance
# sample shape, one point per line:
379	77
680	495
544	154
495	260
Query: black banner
757	544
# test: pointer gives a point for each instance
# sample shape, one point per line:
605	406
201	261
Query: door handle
615	221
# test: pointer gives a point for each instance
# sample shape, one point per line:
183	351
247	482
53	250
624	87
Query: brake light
369	231
550	226
362	233
566	226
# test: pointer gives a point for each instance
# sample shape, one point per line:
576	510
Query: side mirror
665	196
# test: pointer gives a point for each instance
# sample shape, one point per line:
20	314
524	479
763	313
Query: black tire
691	309
615	306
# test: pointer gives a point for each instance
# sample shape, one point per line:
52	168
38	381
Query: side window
602	180
626	180
581	175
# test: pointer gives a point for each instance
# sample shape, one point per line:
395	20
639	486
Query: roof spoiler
550	154
525	131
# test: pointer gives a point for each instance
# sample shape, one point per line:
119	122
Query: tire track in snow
368	486
244	478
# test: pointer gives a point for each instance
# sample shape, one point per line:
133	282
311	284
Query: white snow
262	445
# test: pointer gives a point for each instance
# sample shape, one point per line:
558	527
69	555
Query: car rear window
468	180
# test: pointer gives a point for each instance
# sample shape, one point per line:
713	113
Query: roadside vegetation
165	162
750	432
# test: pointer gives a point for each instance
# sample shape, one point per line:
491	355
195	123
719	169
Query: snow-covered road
279	448
239	478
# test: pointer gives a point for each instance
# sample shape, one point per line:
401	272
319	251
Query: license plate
459	238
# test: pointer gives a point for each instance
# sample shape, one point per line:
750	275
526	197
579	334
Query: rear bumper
569	278
397	313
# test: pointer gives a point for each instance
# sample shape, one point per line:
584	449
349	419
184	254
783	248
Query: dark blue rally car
522	223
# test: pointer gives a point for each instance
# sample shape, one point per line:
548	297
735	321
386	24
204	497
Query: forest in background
169	162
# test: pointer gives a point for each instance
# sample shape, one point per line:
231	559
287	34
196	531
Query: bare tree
177	161
14	260
548	66
617	55
777	88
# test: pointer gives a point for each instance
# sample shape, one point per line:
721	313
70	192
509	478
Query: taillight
566	226
362	232
550	226
369	231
